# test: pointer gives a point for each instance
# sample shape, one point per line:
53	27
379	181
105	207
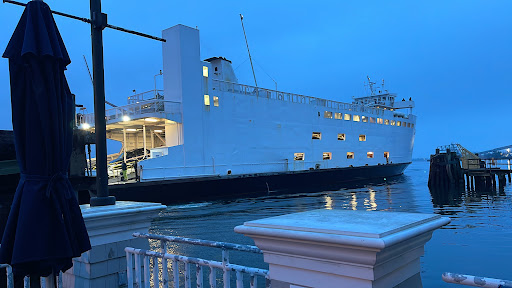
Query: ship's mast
370	84
247	44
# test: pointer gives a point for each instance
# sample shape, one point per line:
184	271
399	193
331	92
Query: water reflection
481	221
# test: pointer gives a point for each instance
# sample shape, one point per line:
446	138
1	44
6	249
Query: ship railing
475	281
145	96
140	259
44	282
291	97
135	110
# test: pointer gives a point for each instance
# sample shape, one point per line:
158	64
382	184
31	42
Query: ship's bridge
143	123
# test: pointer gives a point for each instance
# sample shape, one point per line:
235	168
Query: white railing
136	110
134	257
45	282
291	97
144	96
475	281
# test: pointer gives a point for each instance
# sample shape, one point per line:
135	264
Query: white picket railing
45	282
137	258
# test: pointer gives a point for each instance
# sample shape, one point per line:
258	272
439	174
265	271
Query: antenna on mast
90	76
249	52
370	83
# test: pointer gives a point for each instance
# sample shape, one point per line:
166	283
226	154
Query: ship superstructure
204	123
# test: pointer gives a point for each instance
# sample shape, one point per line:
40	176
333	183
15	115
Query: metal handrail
291	97
225	265
475	281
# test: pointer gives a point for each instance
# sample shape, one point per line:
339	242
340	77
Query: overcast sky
454	58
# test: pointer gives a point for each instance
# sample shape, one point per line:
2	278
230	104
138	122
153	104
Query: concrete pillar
344	248
110	230
468	185
152	138
124	144
144	139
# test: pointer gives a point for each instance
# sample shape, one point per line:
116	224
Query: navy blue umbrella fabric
45	228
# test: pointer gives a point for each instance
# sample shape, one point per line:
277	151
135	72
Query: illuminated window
338	115
386	155
298	156
379	121
372	120
398	123
350	155
205	71
347	117
392	122
316	135
327	156
356	118
328	114
386	121
341	136
216	101
362	137
364	118
369	154
207	100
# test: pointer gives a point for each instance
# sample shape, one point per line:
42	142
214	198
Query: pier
453	167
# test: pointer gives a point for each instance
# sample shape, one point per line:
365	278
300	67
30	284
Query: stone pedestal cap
329	248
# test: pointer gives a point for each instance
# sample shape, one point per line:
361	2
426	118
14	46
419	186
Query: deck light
126	118
151	120
158	131
85	126
131	130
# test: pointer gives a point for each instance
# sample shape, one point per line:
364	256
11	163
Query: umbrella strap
52	179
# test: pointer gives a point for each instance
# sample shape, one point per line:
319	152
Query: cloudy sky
453	57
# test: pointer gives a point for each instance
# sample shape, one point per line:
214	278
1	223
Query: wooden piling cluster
446	173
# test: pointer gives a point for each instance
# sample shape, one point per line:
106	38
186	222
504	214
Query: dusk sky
454	58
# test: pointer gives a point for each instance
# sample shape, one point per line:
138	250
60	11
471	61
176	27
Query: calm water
478	241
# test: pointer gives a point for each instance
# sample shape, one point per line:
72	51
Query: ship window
216	69
298	156
386	155
362	137
350	155
205	71
412	125
369	154
364	118
347	117
328	114
392	122
398	123
379	121
317	136
386	121
356	118
207	100
327	156
408	125
372	120
338	115
216	101
341	136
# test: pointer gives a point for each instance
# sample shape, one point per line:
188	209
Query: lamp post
98	23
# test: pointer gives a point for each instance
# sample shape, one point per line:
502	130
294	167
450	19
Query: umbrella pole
98	23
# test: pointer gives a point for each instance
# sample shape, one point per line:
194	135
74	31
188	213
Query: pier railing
137	258
475	281
291	97
44	282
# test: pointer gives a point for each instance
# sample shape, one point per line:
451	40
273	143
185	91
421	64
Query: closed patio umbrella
45	228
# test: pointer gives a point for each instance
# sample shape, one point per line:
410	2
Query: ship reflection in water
476	242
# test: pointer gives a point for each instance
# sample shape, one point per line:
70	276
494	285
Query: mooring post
468	186
493	179
472	178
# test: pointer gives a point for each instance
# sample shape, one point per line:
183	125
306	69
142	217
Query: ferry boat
208	136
